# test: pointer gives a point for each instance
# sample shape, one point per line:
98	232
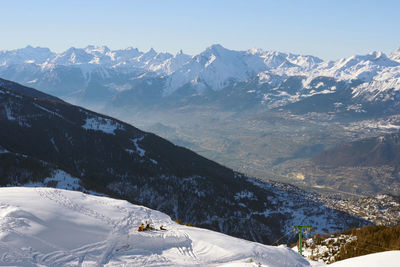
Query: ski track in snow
59	198
116	241
59	256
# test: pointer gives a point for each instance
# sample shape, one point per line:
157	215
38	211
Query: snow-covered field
54	227
387	259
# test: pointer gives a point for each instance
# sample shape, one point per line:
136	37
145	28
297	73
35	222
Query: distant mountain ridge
100	76
375	151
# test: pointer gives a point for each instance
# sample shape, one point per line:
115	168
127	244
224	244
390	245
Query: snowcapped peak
151	51
89	47
37	51
73	56
216	49
29	54
125	54
372	61
375	56
182	57
34	49
255	51
277	54
305	61
71	50
97	49
275	59
214	68
147	57
395	55
131	48
378	54
103	48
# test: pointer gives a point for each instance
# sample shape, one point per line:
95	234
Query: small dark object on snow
141	227
148	227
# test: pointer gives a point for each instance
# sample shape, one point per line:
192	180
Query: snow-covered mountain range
99	74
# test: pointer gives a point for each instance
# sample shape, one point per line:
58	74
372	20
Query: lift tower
299	229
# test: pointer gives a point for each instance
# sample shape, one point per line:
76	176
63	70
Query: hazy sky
328	29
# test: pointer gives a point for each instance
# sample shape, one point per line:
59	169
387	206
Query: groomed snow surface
384	259
54	227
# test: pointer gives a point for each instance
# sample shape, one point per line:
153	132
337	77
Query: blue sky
328	29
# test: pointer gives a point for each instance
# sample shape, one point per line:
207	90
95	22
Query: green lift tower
299	229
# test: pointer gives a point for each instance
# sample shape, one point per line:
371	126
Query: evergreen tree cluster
371	239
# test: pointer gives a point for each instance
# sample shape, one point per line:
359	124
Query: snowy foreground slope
53	227
387	259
